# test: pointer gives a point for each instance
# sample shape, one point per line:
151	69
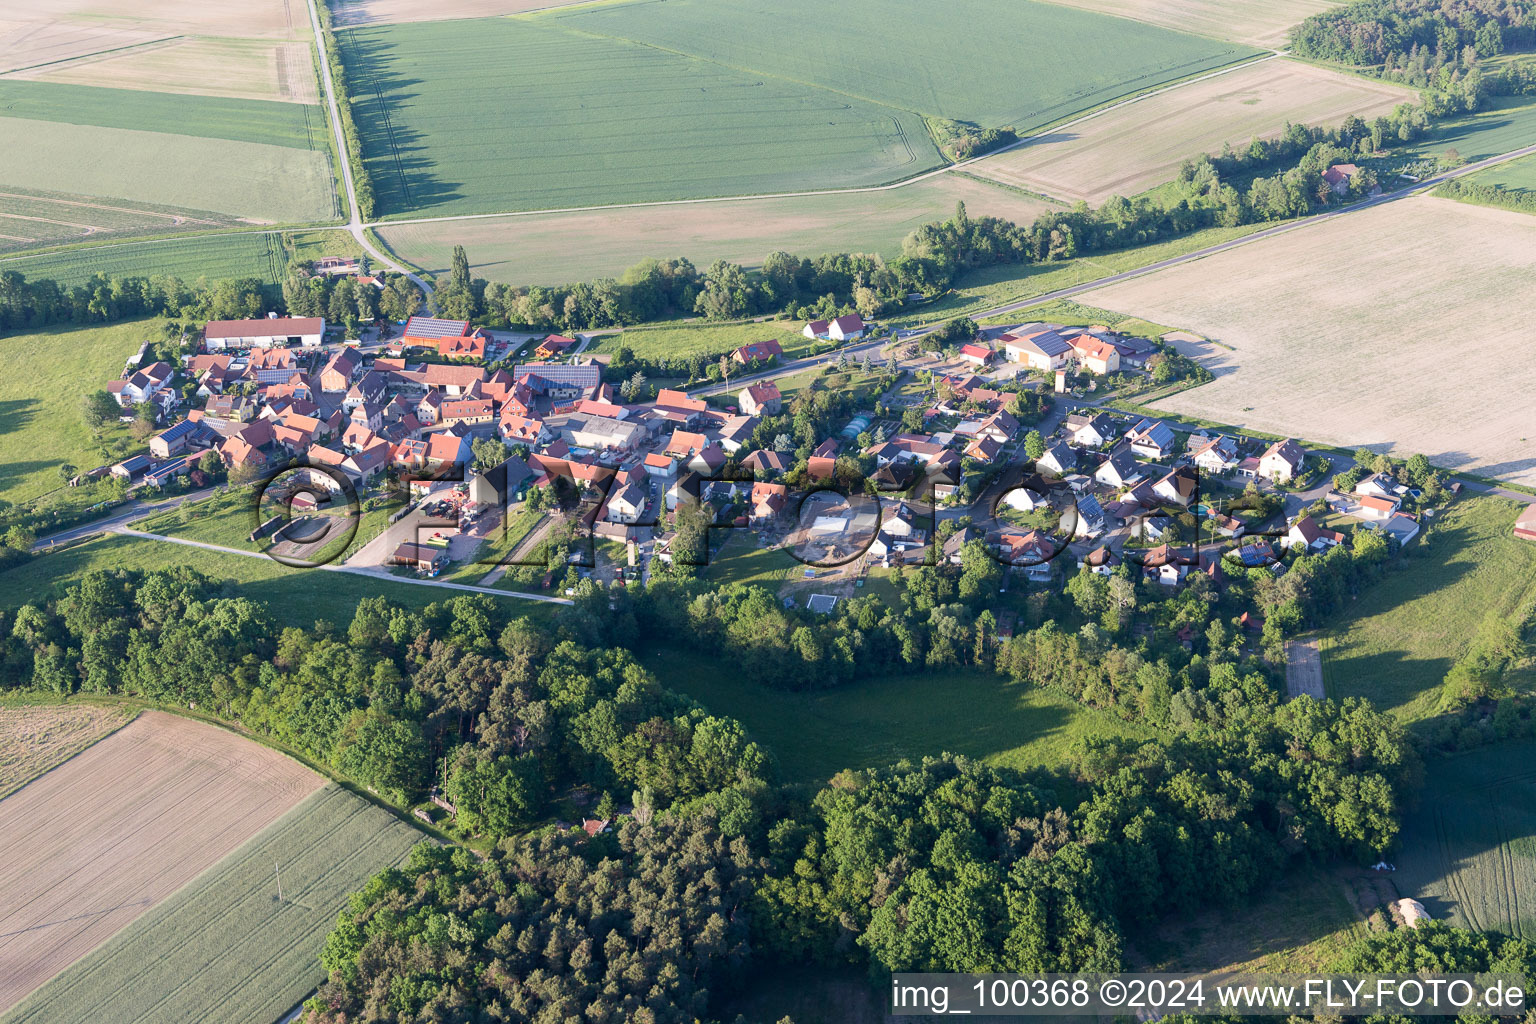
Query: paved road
135	510
378	574
356	225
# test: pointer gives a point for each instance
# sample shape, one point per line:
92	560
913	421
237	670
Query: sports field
1140	145
44	377
36	737
1396	643
554	248
875	722
88	847
924	57
1469	848
505	125
225	947
1256	22
1331	325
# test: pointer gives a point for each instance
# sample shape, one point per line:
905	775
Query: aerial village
989	440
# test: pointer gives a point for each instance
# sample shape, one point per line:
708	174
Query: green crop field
512	122
267	122
225	947
260	182
1517	175
1507	124
1469	848
922	57
1396	643
44	376
875	722
34	218
250	254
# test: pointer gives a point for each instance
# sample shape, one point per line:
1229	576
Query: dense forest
1418	42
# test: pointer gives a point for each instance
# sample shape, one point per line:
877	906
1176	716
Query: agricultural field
1507	123
1469	848
875	722
1129	149
33	218
88	847
554	248
258	254
1516	176
252	69
44	377
1255	22
683	341
35	738
1377	316
161	168
923	58
1396	643
505	126
225	946
389	12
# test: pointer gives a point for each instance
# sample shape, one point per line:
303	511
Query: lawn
875	722
1469	848
507	125
255	254
1396	643
553	248
227	946
921	57
44	376
682	341
739	559
296	597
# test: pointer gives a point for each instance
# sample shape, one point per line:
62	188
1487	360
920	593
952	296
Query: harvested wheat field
553	248
91	845
35	738
388	12
1256	22
252	69
1405	327
1129	149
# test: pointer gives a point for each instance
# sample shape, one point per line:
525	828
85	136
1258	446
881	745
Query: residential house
554	346
1306	535
338	373
1338	177
1001	427
453	379
447	449
1090	431
1120	469
736	432
182	437
1101	560
523	430
1151	439
1216	455
142	385
766	463
1059	459
768	501
1380	485
471	412
685	444
368	389
954	547
844	328
1283	461
237	408
758	351
627	499
1095	354
467	347
1376	509
984	450
678	407
761	399
1181	486
268	332
271	365
1033	553
429	409
822	463
1091	518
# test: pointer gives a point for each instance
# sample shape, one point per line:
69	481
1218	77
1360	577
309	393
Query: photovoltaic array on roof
433	327
587	375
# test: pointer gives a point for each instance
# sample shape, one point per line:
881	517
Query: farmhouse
142	386
1338	177
178	439
429	332
554	346
470	347
265	333
338	373
1042	350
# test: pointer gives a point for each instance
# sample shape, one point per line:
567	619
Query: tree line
1418	42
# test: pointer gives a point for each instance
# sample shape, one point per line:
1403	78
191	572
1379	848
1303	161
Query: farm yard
553	248
36	737
88	847
924	58
1326	334
505	126
225	946
44	376
1469	848
1129	149
1264	23
1396	643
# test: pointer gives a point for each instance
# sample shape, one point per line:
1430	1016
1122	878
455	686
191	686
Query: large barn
268	332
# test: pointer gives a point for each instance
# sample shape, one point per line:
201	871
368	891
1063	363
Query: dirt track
91	845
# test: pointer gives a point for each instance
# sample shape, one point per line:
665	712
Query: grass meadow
225	946
684	340
1469	848
922	57
875	722
1395	644
528	115
44	377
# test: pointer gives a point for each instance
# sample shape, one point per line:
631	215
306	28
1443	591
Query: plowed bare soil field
91	845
